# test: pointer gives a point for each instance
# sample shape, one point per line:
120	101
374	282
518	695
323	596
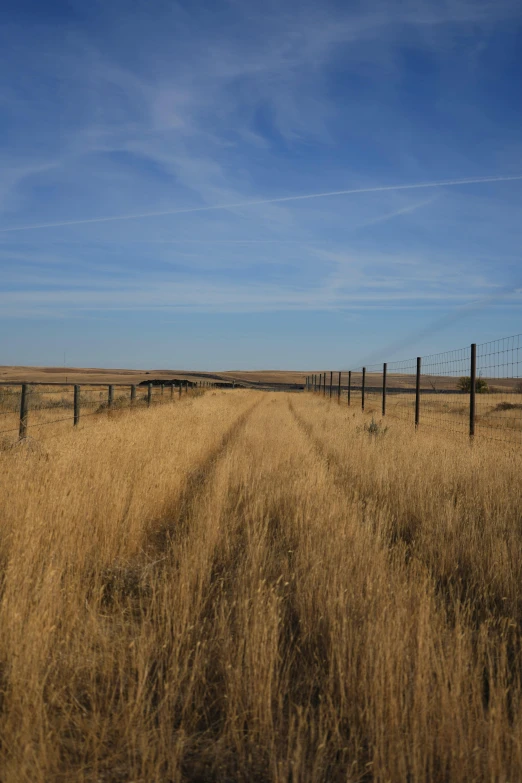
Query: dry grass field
247	586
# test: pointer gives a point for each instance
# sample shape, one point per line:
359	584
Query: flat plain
246	586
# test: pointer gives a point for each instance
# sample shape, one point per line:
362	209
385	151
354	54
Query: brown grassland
248	586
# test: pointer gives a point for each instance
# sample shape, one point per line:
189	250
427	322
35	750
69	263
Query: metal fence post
149	394
363	387
349	387
417	392
76	404
331	383
110	396
472	390
339	389
384	371
22	432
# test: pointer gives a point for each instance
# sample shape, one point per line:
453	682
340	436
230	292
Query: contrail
379	219
279	200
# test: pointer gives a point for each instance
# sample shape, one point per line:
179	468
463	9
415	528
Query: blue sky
154	156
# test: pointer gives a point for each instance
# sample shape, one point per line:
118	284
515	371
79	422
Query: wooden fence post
133	394
363	387
331	383
24	405
339	389
472	390
417	392
110	396
349	387
149	394
384	373
76	405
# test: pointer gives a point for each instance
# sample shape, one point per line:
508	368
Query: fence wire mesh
499	389
444	403
435	390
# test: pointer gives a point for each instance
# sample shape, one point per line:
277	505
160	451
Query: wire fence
27	408
475	391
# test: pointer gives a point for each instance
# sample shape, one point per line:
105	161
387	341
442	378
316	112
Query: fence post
133	394
331	383
162	389
179	389
76	404
339	389
417	392
149	394
384	371
363	387
110	396
472	390
349	387
22	432
324	384
172	390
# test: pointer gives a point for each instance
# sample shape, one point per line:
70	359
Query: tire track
175	525
402	534
131	581
339	473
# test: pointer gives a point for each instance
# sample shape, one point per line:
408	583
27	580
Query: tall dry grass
250	586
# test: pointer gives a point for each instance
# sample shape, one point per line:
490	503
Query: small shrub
464	384
374	428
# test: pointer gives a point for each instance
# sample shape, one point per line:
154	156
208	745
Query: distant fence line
475	390
27	403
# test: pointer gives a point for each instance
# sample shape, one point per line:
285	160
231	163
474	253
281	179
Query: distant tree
464	384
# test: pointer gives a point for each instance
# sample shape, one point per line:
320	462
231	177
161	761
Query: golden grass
250	587
498	415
